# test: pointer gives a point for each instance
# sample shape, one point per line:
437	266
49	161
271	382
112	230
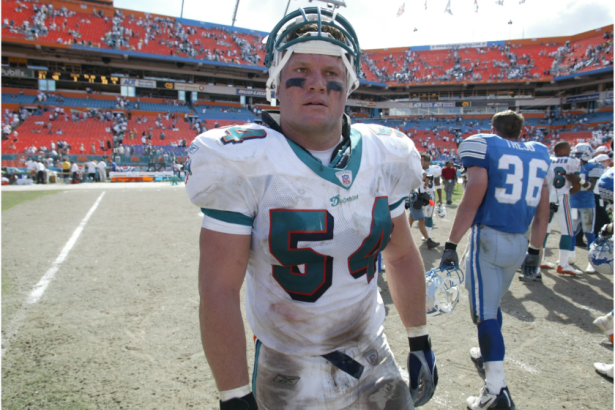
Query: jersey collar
346	157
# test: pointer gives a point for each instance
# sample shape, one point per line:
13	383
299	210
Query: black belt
345	363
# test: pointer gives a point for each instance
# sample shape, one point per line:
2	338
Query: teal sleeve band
396	204
229	217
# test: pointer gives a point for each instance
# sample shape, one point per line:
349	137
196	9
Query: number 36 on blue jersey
516	173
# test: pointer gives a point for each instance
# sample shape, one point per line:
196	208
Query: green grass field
10	199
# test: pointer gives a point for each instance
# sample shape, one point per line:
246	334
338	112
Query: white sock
571	257
428	232
563	257
494	376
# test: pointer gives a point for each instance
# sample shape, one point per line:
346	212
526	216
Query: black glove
531	264
422	370
247	402
553	207
449	257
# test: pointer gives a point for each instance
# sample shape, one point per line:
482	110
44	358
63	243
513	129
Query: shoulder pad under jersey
395	141
236	143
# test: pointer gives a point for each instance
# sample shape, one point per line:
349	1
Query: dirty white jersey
433	172
316	231
560	167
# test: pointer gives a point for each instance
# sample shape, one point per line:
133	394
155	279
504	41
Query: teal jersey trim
328	173
256	354
227	216
396	204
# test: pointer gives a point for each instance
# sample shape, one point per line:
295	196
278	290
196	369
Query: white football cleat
547	265
605	325
488	400
605	369
590	268
569	270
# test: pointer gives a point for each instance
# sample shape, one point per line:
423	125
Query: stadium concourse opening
89	83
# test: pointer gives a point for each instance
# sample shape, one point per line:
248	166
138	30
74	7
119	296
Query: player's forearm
223	337
541	220
470	202
406	279
463	221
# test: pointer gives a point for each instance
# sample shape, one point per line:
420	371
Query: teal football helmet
280	46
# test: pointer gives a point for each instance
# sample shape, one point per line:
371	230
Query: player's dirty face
313	89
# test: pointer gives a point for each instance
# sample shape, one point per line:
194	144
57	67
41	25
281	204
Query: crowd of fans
595	57
414	67
179	39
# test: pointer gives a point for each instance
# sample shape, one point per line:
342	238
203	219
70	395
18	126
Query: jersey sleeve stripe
229	217
225	227
596	172
474	146
396	204
471	154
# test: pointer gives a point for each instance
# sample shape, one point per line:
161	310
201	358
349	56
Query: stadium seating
500	61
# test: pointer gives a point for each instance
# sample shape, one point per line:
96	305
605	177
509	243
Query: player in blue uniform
506	190
583	201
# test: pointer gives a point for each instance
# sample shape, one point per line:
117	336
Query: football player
506	189
433	173
301	209
583	201
565	176
417	210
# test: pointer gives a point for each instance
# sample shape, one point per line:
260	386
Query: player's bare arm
222	269
575	180
438	189
541	219
405	274
470	202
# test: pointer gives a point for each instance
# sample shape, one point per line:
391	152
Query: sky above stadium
378	26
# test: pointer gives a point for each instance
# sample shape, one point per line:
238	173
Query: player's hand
247	402
449	258
422	370
607	230
530	266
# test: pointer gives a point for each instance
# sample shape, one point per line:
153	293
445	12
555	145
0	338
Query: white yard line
37	291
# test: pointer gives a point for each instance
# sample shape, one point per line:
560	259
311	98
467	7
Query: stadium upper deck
87	26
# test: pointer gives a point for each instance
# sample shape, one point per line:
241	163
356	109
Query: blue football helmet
280	47
442	289
605	185
583	151
600	255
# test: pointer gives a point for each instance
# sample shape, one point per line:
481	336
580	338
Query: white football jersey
316	231
433	172
560	167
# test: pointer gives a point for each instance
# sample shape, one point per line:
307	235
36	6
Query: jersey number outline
559	178
306	274
237	135
515	180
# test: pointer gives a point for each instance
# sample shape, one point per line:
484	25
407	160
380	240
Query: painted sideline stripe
41	286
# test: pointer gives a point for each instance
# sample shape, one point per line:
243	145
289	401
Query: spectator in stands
74	169
102	171
65	168
449	175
